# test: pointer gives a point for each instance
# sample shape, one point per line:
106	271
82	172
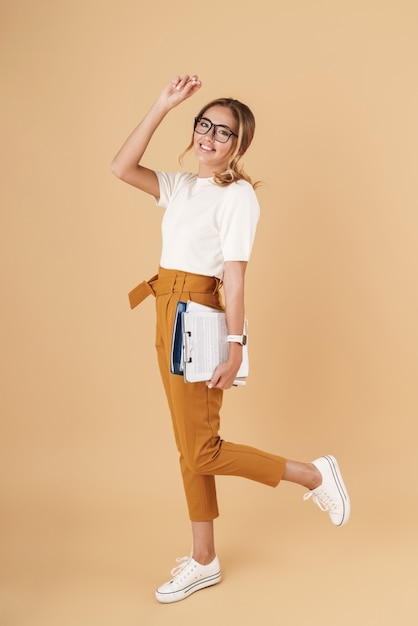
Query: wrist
240	339
235	353
160	106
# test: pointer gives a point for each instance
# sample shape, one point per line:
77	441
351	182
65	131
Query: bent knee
201	463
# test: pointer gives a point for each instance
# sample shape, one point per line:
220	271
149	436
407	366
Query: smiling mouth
206	148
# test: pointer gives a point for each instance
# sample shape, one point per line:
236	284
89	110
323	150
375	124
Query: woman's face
213	155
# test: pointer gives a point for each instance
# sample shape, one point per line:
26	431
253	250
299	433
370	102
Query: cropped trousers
195	409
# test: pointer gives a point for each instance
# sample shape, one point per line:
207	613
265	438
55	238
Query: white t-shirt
204	224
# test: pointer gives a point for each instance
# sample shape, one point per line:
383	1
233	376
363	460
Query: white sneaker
331	495
188	577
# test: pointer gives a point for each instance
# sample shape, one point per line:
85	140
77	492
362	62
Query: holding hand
225	374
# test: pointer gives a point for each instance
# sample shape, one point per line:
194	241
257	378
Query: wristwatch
242	339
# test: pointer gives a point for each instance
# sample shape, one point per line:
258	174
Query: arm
126	163
233	282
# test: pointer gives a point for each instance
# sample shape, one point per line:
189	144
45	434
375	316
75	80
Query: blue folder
176	364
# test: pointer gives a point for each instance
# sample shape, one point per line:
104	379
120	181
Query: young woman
208	231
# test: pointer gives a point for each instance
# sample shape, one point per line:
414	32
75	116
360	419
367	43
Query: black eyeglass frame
213	127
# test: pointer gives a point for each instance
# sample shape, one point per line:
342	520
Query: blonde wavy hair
246	129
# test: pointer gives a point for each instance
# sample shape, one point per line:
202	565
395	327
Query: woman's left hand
225	374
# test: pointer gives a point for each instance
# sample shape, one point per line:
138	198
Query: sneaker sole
336	473
182	594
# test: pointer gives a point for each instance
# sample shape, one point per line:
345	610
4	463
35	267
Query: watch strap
242	339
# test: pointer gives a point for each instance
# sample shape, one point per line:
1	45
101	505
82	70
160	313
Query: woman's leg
203	542
305	474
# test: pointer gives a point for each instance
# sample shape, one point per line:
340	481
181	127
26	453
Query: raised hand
127	164
179	89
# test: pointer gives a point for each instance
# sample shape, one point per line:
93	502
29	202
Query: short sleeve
169	183
238	222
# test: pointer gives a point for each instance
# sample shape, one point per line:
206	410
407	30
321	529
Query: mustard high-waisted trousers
195	408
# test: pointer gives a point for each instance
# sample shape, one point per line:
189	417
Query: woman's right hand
127	165
179	89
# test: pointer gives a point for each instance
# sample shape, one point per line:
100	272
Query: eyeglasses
221	133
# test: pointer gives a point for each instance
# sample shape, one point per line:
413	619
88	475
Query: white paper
205	343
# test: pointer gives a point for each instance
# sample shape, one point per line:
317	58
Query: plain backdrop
92	510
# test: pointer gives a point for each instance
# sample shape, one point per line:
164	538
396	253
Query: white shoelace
183	561
322	499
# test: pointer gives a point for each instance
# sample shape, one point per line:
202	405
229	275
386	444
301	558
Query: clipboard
202	343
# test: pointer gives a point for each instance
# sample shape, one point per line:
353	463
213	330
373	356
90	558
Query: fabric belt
173	281
142	291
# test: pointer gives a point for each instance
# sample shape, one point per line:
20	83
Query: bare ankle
204	558
315	480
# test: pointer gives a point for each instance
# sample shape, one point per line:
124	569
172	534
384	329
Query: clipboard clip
187	346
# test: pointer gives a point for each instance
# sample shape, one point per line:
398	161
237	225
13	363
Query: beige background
93	513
